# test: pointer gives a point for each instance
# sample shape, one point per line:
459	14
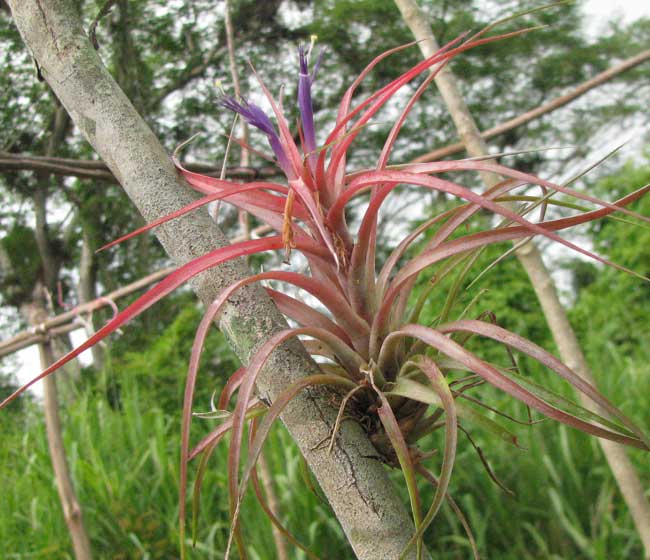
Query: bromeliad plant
401	379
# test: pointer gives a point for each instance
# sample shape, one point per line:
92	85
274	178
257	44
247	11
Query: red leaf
394	433
233	383
305	315
159	291
459	216
225	193
483	165
341	120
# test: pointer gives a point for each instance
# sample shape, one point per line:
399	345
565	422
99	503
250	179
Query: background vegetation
121	420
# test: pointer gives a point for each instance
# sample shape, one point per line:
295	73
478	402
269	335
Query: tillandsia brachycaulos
401	379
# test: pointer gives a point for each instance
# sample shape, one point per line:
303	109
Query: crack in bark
343	452
48	27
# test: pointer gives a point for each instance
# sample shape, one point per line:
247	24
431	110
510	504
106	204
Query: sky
598	13
601	11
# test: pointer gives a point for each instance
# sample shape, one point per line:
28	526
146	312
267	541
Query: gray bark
358	489
531	259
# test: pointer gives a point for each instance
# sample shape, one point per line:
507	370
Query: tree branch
358	489
95	169
533	114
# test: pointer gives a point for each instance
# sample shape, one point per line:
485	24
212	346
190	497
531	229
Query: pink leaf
542	356
159	291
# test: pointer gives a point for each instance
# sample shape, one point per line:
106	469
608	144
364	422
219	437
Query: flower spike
255	116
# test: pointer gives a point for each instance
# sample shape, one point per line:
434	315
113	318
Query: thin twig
92	30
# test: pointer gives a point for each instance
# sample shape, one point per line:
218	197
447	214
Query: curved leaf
305	315
390	424
528	347
415	390
440	386
453	350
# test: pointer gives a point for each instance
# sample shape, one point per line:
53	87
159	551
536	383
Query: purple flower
305	81
255	116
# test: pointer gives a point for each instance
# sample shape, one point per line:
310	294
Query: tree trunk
71	509
531	259
51	261
357	487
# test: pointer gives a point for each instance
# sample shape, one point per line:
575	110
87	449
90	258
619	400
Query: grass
125	468
124	463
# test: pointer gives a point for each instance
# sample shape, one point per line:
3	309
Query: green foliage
8	385
613	310
124	464
18	279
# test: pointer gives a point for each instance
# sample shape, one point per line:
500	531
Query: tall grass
125	467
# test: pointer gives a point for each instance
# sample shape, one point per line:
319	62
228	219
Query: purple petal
255	116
